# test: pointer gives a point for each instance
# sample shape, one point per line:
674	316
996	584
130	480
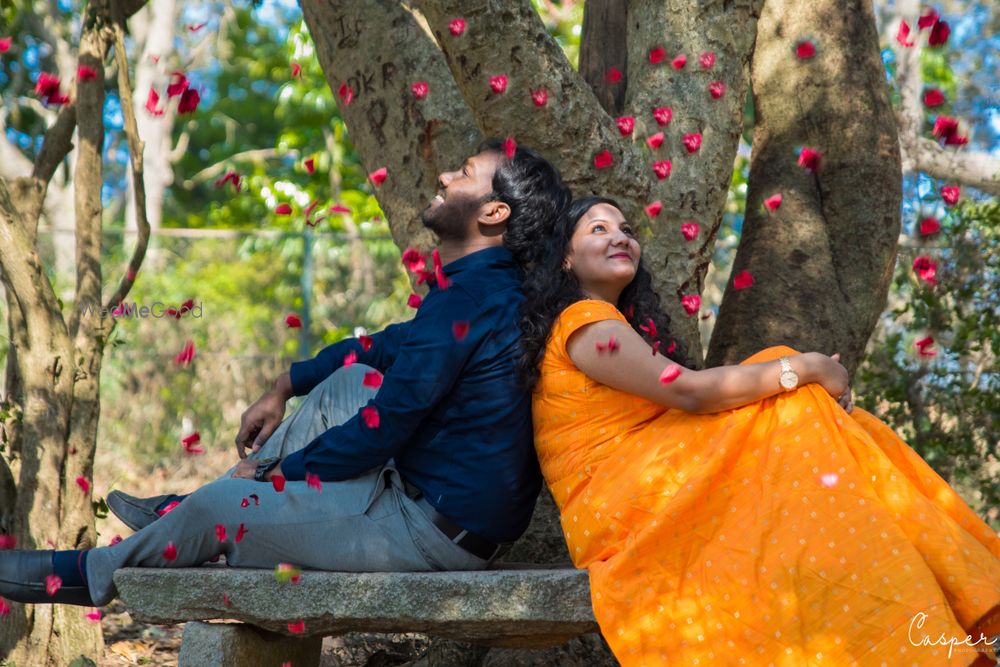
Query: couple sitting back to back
744	510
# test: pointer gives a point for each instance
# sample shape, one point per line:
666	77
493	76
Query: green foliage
946	407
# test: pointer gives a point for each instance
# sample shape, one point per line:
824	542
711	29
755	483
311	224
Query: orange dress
785	532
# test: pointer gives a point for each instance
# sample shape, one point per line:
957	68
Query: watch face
789	379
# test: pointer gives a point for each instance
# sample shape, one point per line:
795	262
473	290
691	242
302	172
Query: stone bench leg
236	644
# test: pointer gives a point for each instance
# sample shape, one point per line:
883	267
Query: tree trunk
821	262
603	46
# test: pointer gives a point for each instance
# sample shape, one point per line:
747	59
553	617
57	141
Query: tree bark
823	261
604	45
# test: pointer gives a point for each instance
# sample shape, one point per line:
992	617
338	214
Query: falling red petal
83	483
926	269
297	628
189	101
244	503
5	44
93	615
653	210
168	508
805	49
928	19
278	482
603	160
419	89
115	540
4	607
313	482
707	59
53	583
456	27
378	176
650	328
625	125
929	226
226	600
692	142
691	303
670	373
498	83
413	260
689	230
373	379
369	414
657	55
773	202
345	93
679	62
655	141
716	89
195	27
742	280
240	533
283	209
152	102
350	358
809	159
7	542
230	177
950	194
509	147
662	115
924	346
310	165
170	553
672	346
414	301
192	439
366	342
178	84
939	34
220	532
902	33
662	169
540	97
292	321
296	70
613	75
459	330
339	208
85	73
934	98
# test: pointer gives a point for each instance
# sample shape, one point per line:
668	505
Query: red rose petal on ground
939	34
540	97
950	194
278	482
773	202
509	147
716	89
366	342
805	49
240	532
456	27
691	303
189	101
934	98
345	93
170	553
662	115
297	628
292	321
603	160
692	142
902	34
52	584
925	347
929	226
220	532
926	269
459	330
613	75
653	210
370	416
283	209
313	482
625	125
655	141
662	169
414	301
419	89
657	55
679	62
670	373
689	230
93	615
707	59
809	159
83	483
742	280
152	102
378	176
350	358
84	73
928	19
373	379
498	83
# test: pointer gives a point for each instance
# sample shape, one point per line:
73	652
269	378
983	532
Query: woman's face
603	252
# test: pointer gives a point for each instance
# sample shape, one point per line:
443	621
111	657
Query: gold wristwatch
788	379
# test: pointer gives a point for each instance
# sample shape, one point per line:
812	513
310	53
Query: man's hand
245	469
263	417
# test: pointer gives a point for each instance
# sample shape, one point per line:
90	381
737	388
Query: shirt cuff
293	467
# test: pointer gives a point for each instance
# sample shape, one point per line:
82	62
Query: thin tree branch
255	155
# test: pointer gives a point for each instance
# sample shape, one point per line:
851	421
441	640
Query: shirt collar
495	257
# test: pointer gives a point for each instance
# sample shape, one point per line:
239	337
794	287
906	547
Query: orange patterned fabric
785	532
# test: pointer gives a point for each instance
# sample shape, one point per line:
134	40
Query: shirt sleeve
578	315
425	368
305	375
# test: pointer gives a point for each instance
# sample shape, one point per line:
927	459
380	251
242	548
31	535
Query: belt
476	545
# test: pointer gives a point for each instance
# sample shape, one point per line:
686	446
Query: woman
726	518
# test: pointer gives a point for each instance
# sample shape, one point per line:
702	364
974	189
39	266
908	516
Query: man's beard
451	219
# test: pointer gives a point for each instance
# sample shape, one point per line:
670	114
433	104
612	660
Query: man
435	471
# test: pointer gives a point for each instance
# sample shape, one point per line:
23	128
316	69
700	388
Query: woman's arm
632	368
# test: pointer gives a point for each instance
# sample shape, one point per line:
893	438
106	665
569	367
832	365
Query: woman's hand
831	374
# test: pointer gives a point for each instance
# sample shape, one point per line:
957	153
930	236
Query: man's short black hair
534	190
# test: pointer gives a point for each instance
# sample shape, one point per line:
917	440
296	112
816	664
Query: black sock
170	499
70	566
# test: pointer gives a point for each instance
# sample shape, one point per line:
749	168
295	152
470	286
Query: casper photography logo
920	636
155	310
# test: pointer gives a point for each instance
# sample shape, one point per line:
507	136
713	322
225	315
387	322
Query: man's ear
493	213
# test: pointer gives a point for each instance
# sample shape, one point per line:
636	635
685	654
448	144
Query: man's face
453	211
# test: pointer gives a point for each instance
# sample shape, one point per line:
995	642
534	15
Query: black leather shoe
136	513
22	579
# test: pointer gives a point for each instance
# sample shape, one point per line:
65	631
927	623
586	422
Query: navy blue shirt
451	412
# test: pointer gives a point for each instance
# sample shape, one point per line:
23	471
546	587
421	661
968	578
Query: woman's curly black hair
549	290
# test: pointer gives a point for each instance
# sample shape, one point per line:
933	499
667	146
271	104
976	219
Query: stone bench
513	606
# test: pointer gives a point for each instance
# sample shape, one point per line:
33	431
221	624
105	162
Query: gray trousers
365	524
